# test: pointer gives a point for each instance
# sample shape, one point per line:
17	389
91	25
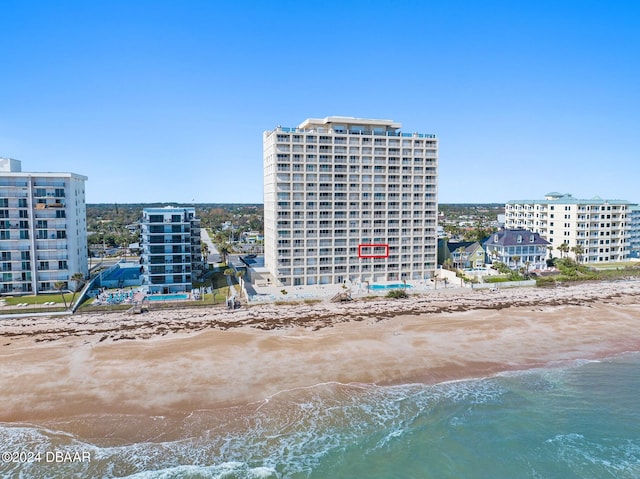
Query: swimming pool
389	286
168	297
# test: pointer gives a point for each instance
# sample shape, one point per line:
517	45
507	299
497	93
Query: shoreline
185	320
174	362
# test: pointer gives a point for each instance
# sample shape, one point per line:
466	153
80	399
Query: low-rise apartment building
598	227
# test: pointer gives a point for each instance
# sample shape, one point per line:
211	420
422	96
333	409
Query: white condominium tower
43	229
349	200
599	228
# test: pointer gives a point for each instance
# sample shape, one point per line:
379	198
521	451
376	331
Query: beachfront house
517	248
462	254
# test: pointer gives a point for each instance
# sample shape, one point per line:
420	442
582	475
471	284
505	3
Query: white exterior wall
601	227
333	184
43	230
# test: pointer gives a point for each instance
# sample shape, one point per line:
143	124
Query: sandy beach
177	361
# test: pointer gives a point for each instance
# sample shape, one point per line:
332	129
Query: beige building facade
349	200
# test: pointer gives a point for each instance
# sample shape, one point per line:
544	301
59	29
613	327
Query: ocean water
578	420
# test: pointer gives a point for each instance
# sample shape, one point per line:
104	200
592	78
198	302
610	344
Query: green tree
564	249
228	273
61	286
578	251
516	259
478	233
224	251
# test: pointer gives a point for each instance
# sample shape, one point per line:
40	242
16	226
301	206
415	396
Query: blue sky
167	100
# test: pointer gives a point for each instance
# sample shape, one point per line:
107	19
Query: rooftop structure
349	200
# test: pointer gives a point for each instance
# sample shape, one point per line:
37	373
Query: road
214	255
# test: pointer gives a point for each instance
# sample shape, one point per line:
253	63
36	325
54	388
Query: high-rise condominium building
43	229
349	200
599	228
170	249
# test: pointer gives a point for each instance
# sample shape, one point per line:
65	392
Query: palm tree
516	260
578	251
550	248
78	279
60	286
228	273
205	251
224	251
563	248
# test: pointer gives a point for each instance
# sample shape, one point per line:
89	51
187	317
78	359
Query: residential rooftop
352	125
351	121
568	199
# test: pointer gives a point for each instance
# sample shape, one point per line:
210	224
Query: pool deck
327	291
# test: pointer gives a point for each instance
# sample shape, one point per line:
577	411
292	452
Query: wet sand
178	361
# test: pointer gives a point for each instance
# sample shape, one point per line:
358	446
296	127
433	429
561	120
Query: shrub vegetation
397	294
